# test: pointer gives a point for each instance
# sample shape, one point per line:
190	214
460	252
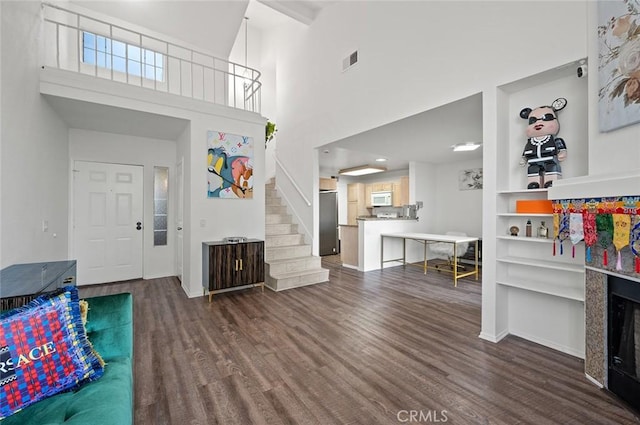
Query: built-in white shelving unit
539	295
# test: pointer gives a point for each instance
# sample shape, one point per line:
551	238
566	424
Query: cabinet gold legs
253	285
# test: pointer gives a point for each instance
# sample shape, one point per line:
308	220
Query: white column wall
214	219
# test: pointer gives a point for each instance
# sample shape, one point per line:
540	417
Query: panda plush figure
544	150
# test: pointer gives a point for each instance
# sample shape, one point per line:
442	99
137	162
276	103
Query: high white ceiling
213	25
425	137
209	25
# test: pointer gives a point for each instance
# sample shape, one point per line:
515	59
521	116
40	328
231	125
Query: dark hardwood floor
384	347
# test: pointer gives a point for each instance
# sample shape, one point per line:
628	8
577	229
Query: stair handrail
295	185
234	75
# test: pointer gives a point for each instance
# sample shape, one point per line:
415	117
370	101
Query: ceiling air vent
349	61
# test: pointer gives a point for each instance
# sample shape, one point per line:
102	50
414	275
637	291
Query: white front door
107	231
179	220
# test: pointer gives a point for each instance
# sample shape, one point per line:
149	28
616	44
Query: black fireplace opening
624	339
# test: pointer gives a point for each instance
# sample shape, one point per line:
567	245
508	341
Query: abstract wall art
229	166
618	63
470	179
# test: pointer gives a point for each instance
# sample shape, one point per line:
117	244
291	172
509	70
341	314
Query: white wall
423	182
34	184
1	264
261	55
35	164
457	210
414	56
183	154
214	219
95	146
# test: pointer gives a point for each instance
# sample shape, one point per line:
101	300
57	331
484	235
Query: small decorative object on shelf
513	230
234	239
543	231
527	228
543	150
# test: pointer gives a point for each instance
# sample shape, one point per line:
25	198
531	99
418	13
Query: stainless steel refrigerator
329	223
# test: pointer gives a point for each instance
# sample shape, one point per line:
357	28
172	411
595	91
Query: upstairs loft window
122	57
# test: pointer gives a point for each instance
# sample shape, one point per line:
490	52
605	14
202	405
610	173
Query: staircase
288	260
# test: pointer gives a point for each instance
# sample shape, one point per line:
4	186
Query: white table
426	239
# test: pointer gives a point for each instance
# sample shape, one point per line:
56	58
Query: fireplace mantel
615	185
598	185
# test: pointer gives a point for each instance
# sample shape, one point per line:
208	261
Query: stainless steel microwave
381	199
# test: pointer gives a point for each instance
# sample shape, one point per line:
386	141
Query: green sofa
108	400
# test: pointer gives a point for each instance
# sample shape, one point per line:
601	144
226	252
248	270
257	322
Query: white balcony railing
86	45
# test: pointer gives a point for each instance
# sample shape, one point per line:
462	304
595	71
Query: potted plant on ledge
270	132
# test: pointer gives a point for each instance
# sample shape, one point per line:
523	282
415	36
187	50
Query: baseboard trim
593	380
493	338
551	344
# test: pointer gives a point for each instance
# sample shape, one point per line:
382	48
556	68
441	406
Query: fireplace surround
609	286
623	339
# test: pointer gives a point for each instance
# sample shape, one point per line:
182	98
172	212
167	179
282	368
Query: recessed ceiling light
464	147
362	170
381	159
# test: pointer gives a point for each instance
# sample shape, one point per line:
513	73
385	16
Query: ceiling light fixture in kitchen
464	147
381	159
362	170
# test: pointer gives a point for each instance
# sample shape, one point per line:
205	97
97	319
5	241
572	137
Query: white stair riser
283	240
297	281
276	209
281	253
281	229
278	219
293	265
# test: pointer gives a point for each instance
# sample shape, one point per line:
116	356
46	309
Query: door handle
179	228
139	225
241	264
236	265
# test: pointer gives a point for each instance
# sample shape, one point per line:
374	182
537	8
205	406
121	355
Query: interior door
107	221
179	218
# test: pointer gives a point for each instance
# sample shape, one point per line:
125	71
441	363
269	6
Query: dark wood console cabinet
228	265
20	283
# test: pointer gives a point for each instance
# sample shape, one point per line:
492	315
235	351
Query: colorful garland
604	221
604	226
635	243
590	234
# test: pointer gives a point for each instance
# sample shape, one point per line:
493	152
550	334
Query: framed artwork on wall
618	63
229	166
470	179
